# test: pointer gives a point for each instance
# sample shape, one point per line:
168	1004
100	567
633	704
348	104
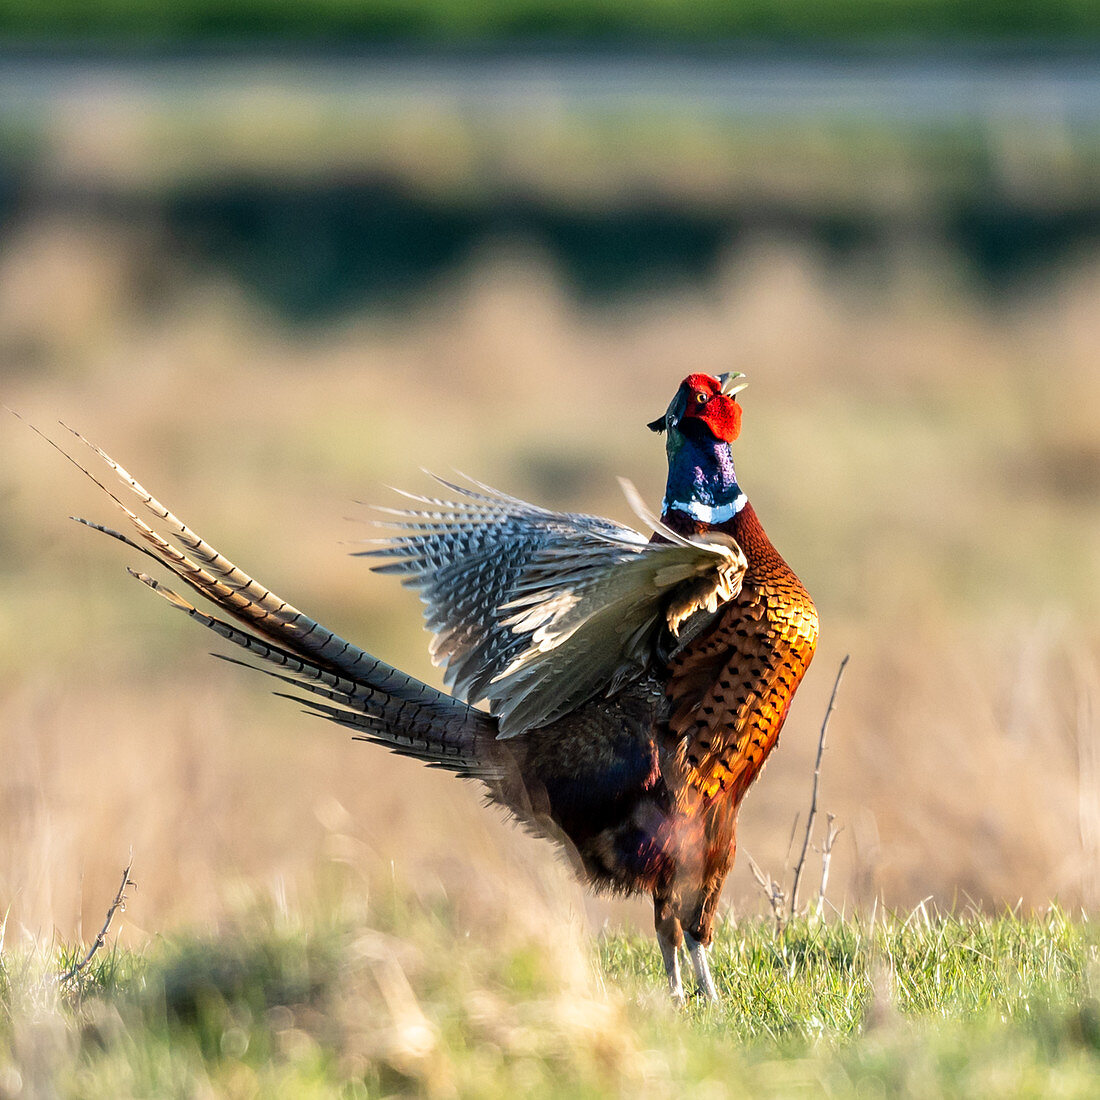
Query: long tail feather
378	702
418	730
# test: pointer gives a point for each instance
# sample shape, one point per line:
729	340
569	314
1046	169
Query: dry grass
928	461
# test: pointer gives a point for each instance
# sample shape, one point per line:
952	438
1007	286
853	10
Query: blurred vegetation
504	20
929	1004
320	202
271	291
926	456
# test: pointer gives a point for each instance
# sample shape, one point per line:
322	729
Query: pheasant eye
700	398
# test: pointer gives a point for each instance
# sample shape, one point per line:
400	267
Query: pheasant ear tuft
657	425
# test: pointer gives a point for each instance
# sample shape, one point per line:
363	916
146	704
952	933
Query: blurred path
919	88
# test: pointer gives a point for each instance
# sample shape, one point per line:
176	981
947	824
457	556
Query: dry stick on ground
832	831
773	892
817	779
1088	770
118	903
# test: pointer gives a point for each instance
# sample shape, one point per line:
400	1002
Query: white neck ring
707	513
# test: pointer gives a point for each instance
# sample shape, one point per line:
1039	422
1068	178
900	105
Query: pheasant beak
730	386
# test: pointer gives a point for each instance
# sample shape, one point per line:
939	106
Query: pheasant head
701	422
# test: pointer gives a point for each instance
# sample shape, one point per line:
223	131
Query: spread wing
538	611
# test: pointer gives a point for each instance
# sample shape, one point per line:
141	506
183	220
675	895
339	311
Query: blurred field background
271	286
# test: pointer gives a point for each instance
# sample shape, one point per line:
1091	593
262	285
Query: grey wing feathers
471	556
538	611
376	700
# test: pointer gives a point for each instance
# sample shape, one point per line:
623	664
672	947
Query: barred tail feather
378	702
432	730
217	579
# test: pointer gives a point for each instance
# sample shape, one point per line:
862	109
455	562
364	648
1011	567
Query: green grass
507	20
929	1005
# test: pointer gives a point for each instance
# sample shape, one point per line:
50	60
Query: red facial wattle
706	402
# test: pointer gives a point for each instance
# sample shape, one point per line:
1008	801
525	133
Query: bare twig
817	778
116	905
1088	769
832	831
790	839
773	892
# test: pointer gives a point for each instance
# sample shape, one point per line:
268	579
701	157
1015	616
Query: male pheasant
635	686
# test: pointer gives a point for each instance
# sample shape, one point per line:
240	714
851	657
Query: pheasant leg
704	983
671	955
670	937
